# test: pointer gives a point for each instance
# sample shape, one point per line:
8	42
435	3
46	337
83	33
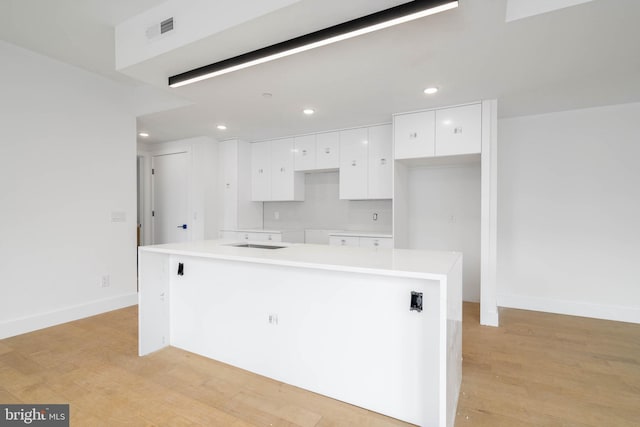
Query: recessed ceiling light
221	127
431	90
308	111
143	134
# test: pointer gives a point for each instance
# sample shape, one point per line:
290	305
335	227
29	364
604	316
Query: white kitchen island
333	320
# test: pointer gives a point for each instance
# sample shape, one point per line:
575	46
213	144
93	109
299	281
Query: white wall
67	162
444	214
203	189
322	209
569	212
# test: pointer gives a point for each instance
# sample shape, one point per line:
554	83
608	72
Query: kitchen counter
376	328
389	262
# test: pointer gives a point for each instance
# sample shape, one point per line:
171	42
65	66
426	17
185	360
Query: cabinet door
354	163
282	169
380	176
260	172
344	241
376	242
458	130
414	135
327	150
229	166
305	153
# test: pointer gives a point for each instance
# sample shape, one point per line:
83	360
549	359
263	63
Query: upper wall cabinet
317	152
459	130
445	132
365	163
272	172
414	135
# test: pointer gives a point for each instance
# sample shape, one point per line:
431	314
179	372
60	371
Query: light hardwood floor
535	370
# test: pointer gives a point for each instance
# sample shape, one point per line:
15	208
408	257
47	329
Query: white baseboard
488	318
572	308
23	325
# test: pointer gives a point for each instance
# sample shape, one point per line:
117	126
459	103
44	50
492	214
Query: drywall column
488	215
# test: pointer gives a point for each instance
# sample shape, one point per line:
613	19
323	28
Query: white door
170	210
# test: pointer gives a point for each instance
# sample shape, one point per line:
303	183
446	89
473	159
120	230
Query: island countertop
408	263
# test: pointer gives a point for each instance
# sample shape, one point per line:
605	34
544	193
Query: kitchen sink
255	245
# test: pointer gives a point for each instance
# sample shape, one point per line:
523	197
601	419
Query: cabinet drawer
263	237
344	241
376	242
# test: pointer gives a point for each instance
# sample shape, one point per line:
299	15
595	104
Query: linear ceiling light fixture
376	21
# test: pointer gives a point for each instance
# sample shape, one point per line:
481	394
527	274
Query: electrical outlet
273	319
105	282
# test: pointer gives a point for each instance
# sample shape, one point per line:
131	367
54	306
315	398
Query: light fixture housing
376	21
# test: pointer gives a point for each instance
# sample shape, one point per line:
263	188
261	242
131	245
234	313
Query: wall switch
118	216
273	318
105	281
375	216
276	215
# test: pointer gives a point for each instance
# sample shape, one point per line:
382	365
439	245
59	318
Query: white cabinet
354	166
305	152
380	160
317	152
272	172
235	186
259	236
414	135
458	130
363	241
443	132
260	171
365	163
376	242
327	150
344	241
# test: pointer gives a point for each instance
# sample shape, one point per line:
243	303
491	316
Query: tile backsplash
322	209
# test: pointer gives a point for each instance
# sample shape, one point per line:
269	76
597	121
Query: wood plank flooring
537	369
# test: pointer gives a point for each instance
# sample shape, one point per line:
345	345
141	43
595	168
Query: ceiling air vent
166	25
155	31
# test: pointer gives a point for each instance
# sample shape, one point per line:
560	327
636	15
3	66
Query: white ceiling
580	56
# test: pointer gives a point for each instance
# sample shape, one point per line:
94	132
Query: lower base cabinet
361	241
